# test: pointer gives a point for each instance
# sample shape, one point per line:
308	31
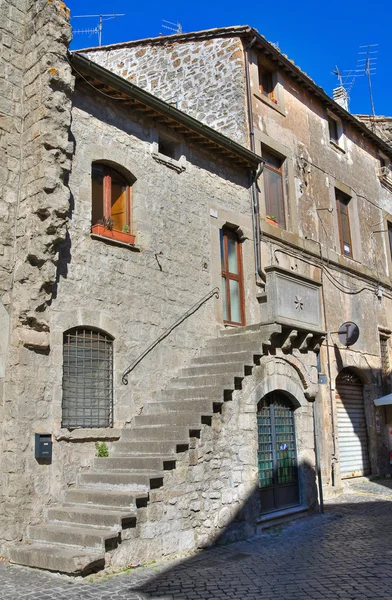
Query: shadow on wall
340	549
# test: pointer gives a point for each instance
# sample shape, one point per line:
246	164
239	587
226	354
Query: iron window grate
87	379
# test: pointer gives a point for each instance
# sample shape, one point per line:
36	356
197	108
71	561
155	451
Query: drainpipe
259	272
333	425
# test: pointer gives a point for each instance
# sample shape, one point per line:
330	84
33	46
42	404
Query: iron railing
193	309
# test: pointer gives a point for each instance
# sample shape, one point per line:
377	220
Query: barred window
87	379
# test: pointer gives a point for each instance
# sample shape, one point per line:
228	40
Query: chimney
340	96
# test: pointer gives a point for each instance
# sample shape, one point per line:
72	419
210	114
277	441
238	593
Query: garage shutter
353	442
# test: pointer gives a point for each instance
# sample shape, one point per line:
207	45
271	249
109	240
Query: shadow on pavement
345	553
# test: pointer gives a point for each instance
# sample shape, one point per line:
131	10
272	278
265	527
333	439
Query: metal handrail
195	307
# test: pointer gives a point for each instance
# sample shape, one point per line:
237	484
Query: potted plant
105	227
272	220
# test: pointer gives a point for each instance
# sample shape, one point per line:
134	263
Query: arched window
87	379
111	203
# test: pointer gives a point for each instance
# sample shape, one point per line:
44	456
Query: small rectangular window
342	204
266	82
390	237
168	147
333	130
273	188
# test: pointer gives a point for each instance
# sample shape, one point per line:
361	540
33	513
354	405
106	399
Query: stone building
142	415
326	185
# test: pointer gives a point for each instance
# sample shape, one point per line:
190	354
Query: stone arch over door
351	425
275	375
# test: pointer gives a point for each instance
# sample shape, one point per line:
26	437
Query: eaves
104	81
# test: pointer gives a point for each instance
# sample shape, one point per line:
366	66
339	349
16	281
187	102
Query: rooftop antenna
369	66
98	29
176	27
341	94
366	67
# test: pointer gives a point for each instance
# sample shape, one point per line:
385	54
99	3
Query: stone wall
37	84
213	495
134	294
203	78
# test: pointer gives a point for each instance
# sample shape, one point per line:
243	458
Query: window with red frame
111	203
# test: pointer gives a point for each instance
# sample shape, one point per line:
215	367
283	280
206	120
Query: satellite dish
348	333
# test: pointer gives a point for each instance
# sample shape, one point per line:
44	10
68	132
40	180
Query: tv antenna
176	27
366	67
341	94
98	29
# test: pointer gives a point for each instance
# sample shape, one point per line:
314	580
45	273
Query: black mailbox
43	445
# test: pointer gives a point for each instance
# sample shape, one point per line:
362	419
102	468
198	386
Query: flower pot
271	221
113	234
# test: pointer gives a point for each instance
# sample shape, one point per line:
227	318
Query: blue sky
315	35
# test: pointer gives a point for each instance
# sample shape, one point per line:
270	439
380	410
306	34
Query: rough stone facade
205	80
380	125
36	85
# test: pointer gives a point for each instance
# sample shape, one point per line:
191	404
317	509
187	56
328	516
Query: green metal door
277	456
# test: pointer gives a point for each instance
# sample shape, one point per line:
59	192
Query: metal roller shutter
352	431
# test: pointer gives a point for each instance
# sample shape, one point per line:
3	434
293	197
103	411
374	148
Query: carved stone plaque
292	299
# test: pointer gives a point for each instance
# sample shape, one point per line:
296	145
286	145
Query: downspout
259	273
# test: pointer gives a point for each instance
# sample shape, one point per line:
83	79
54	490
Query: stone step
256	337
142	448
72	561
202	406
236	369
121	480
111	463
91	516
191	419
222	345
209	392
212	358
224	381
69	535
178	434
103	497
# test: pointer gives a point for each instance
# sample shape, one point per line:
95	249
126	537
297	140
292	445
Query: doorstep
281	516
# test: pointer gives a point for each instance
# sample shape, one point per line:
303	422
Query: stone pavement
345	554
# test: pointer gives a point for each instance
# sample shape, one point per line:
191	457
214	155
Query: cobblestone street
345	554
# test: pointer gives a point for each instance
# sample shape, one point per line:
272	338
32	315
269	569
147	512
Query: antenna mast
98	29
369	66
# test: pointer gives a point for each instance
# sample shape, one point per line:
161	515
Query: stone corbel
289	341
305	343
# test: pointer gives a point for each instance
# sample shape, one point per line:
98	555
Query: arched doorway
277	454
352	431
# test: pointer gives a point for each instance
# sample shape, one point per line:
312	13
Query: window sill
337	147
177	165
87	435
276	106
113	234
115	242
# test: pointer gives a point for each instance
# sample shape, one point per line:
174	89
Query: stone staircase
95	514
